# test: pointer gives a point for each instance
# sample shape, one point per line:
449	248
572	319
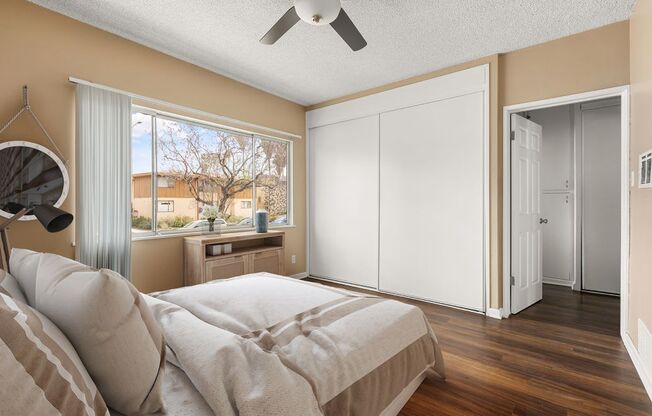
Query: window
165	206
142	210
272	179
204	171
165	182
645	172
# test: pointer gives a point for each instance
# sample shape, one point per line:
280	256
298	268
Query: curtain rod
202	113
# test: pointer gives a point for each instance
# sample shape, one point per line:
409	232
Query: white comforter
263	344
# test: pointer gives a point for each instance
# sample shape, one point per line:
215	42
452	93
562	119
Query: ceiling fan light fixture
318	12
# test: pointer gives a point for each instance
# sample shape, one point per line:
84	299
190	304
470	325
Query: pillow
41	372
108	322
23	265
10	287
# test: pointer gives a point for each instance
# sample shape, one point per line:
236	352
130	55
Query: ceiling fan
317	13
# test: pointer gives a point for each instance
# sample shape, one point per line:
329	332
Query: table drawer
225	268
269	261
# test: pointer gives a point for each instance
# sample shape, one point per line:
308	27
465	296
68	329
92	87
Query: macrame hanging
26	108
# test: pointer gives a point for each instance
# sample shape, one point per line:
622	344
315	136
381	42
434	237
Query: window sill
190	234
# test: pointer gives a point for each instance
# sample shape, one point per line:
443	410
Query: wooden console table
251	253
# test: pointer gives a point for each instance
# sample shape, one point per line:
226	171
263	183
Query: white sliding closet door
601	198
344	201
431	201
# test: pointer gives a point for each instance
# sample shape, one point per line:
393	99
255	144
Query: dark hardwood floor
562	356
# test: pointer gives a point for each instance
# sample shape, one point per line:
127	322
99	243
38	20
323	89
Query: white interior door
557	211
343	160
526	238
431	201
601	198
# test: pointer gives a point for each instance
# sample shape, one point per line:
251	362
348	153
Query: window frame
155	115
168	202
169	183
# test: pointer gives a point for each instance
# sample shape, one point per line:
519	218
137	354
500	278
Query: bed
259	344
272	345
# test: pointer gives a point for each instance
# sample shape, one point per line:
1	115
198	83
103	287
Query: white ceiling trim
468	81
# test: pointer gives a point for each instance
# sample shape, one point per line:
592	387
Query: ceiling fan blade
285	23
347	31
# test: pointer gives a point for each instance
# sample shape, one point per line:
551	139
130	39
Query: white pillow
111	327
10	287
23	265
41	372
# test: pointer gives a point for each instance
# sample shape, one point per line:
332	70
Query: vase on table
262	219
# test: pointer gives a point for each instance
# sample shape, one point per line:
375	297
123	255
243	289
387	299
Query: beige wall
584	62
641	140
42	49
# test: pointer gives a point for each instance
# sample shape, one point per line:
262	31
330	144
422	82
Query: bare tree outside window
215	165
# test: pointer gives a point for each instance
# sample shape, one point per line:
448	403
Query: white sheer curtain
103	158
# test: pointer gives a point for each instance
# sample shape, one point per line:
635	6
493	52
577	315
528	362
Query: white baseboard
645	376
301	275
558	282
495	313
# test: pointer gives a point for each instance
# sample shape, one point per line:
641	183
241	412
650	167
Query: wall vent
645	346
645	170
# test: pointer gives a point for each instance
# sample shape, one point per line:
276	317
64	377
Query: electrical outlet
294	259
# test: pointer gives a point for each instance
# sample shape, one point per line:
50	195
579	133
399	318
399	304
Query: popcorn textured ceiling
312	64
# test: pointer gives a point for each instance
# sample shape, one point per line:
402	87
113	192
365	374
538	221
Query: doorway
566	191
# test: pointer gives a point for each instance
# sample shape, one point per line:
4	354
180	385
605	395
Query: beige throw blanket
263	344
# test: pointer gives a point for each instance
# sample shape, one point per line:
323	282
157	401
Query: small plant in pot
210	214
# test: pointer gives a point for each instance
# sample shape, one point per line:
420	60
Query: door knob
543	220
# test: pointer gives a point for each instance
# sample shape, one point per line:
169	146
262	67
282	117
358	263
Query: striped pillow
41	372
